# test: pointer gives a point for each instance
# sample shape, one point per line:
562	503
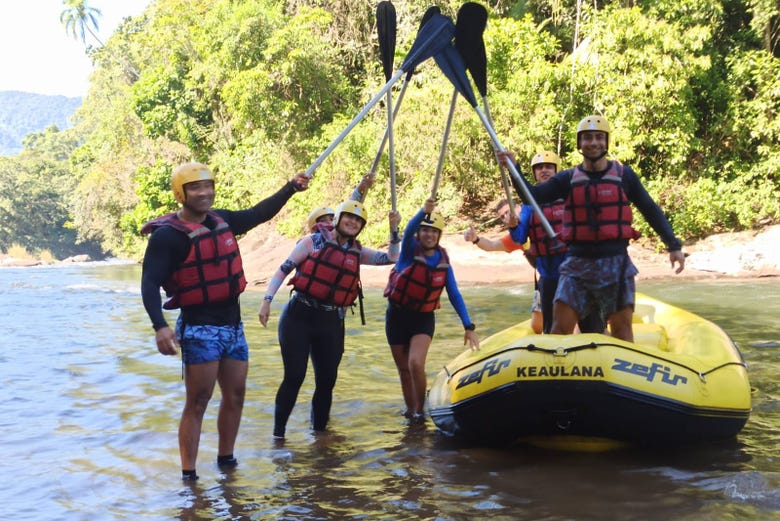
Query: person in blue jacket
413	292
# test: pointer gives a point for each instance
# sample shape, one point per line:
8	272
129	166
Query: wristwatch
470	327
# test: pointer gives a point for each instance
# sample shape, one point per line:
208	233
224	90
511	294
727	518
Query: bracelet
269	298
476	241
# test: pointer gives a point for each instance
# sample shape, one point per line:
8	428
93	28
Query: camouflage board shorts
601	286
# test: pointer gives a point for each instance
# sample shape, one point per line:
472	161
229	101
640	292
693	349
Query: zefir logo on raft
493	367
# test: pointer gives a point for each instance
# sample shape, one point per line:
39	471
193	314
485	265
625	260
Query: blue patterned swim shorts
206	343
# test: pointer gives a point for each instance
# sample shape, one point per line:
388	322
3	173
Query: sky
37	55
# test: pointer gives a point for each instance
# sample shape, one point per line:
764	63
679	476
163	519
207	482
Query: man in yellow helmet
193	254
598	275
548	252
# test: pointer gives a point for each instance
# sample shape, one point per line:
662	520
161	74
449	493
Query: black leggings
303	332
547	287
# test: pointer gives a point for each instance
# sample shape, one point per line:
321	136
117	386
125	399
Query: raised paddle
463	25
427	16
452	65
470	42
386	29
432	37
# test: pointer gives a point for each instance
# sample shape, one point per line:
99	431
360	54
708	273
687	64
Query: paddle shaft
501	169
443	149
362	114
391	150
386	135
513	171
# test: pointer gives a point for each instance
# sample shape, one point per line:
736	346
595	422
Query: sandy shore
734	255
731	255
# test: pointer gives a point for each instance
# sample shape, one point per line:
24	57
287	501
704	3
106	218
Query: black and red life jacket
330	274
418	287
597	209
541	243
212	272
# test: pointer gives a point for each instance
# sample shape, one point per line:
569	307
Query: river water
90	411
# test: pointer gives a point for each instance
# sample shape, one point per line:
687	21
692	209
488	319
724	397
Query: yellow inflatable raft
681	381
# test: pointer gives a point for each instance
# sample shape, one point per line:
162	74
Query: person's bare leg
418	352
565	318
621	325
199	380
232	383
401	358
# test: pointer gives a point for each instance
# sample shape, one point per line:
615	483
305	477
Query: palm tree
78	19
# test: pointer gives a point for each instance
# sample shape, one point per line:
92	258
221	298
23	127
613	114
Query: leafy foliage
22	113
33	205
259	89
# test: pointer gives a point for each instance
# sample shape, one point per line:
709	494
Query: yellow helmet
594	122
434	220
353	207
315	214
188	173
546	156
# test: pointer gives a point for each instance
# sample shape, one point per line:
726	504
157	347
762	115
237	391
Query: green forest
258	89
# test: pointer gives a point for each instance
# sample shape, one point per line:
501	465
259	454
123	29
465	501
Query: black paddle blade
469	29
451	64
433	36
432	10
386	29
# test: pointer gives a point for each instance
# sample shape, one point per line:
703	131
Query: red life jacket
212	272
598	209
541	243
418	287
330	274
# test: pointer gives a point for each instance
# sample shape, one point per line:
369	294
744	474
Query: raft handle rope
561	351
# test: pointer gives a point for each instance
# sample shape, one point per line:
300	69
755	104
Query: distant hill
22	113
